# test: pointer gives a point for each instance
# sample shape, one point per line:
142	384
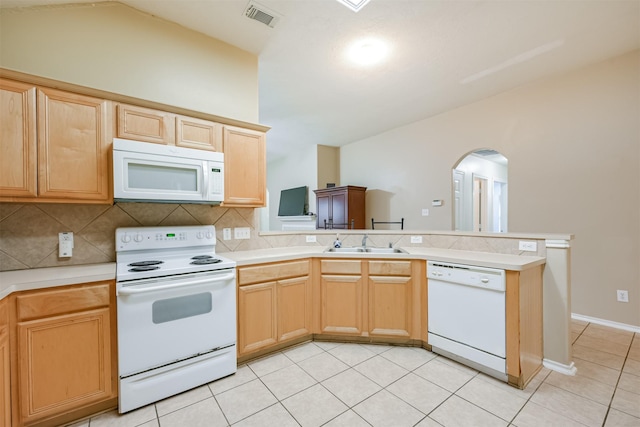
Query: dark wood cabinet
341	207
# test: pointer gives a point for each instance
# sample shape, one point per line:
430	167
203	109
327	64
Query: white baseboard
605	322
559	367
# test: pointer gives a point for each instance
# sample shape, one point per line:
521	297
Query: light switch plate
226	234
242	233
528	246
416	239
425	212
65	244
311	239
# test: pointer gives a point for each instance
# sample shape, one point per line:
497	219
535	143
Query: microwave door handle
134	290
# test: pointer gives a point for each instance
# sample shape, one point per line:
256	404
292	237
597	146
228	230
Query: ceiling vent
486	153
259	13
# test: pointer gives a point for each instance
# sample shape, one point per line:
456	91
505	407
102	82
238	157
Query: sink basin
386	251
368	250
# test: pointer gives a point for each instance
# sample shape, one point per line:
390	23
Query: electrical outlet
416	239
528	246
65	244
242	233
226	234
623	296
425	212
311	239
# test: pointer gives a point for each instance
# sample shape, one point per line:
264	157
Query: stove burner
202	257
144	268
205	261
145	264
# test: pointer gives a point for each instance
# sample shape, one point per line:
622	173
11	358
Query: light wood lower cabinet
341	297
274	304
65	365
5	366
524	325
375	298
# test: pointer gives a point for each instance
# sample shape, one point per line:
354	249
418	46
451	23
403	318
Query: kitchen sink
367	250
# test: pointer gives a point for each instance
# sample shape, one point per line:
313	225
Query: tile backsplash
29	232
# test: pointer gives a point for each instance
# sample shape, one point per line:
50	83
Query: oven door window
171	309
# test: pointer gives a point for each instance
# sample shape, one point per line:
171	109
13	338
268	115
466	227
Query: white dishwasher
466	315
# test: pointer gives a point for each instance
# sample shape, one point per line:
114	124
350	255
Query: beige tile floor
331	384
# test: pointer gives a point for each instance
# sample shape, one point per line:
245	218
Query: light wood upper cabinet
145	124
73	146
55	146
65	360
18	162
198	134
245	167
5	367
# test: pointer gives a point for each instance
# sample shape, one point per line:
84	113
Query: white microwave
147	172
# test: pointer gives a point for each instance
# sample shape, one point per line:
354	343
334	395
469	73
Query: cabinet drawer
51	303
341	266
390	268
270	272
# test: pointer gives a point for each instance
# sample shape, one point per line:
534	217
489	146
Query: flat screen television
293	202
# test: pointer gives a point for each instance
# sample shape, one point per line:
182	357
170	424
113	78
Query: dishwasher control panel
469	275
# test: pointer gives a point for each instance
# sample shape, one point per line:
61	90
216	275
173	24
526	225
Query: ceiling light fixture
354	5
368	51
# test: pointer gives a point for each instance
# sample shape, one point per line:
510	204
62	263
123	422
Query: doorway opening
479	189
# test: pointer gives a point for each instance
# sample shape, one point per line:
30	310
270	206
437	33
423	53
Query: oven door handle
142	290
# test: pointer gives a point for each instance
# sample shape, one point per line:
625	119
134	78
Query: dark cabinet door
339	210
323	206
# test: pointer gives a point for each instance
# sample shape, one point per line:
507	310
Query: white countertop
38	278
483	259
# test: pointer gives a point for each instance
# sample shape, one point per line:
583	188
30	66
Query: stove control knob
200	235
138	238
209	235
126	238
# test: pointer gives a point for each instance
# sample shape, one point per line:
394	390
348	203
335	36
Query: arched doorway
479	189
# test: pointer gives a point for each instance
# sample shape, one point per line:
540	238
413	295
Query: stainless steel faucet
364	241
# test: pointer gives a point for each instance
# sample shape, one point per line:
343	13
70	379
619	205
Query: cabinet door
73	147
341	304
339	210
18	169
390	306
63	363
145	124
294	308
5	366
323	206
244	166
198	134
257	326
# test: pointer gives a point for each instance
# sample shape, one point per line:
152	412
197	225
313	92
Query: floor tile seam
599	364
586	398
155	404
488	411
623	411
600	349
408	403
342	413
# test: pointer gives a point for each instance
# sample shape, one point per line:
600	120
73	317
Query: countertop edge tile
40	278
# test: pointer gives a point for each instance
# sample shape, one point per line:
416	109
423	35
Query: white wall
112	47
573	145
295	170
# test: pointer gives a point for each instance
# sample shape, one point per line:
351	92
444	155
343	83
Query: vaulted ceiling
443	54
